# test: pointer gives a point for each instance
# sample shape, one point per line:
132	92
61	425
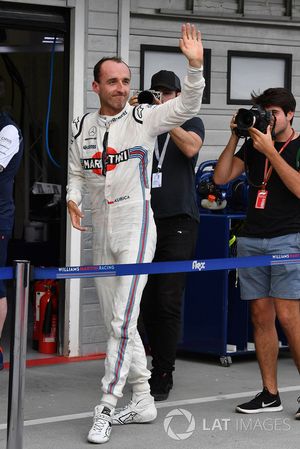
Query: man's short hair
276	96
97	68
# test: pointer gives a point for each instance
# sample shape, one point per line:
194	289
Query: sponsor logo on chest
113	158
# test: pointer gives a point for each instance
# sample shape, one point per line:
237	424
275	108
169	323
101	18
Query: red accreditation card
261	199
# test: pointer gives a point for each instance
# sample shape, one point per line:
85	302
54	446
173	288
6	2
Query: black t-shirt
281	215
177	196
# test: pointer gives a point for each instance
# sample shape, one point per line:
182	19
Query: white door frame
78	44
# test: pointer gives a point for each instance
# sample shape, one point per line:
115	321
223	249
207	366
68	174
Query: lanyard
268	170
160	158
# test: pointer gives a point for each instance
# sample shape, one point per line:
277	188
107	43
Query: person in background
11	150
111	152
271	160
176	215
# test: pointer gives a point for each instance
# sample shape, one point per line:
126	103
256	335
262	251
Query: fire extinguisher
40	287
48	321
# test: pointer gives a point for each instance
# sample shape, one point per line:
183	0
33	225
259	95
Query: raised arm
173	113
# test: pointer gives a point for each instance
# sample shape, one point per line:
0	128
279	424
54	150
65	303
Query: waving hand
191	45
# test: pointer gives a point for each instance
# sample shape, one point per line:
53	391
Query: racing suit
123	227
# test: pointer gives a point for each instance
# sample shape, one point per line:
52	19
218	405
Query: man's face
113	87
167	94
282	122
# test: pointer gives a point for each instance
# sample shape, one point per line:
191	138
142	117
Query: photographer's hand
133	101
262	142
289	176
233	125
191	45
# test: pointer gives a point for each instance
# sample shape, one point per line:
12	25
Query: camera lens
145	97
245	119
256	117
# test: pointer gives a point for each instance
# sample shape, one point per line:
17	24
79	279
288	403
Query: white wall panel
213	7
39	2
103	5
154	29
220	38
151	6
265	8
103	20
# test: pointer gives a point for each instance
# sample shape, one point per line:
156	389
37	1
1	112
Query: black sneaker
160	385
263	402
297	416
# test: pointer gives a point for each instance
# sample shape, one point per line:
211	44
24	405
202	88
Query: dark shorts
4	239
276	281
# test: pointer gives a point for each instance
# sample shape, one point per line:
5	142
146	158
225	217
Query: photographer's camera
256	117
148	96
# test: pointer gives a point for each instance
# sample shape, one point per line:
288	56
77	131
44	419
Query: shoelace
99	422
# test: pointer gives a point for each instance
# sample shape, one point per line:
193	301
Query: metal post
15	413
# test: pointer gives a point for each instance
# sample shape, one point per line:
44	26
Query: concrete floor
200	413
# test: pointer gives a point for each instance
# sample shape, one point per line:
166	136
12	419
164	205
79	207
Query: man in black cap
166	80
173	200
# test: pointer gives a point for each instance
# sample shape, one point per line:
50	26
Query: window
156	57
254	71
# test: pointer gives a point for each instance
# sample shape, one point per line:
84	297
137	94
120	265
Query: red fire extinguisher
40	287
48	321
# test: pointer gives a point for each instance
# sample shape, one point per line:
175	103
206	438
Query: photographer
272	226
176	215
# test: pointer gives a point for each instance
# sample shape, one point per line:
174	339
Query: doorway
34	66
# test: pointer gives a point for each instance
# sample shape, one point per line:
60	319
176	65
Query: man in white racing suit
111	152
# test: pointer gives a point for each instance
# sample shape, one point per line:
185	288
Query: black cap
165	79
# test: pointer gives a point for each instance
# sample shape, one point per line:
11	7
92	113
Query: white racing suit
123	226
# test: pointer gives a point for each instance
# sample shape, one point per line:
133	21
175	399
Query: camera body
148	96
256	117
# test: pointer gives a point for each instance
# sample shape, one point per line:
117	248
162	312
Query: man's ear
290	115
95	87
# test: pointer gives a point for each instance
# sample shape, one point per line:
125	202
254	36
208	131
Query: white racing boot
138	411
101	428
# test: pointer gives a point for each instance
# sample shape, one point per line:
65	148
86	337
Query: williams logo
89	147
198	265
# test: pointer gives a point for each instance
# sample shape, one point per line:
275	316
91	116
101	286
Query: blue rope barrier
155	267
6	273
